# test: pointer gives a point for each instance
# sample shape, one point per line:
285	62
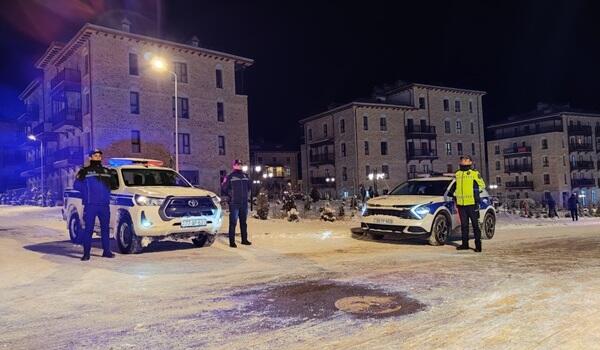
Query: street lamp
374	177
253	170
33	138
160	65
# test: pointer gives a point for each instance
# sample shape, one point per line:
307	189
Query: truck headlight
216	200
148	201
419	211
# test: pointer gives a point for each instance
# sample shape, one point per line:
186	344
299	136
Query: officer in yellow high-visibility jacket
466	193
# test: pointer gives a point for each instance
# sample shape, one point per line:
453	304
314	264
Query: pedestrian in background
236	187
573	206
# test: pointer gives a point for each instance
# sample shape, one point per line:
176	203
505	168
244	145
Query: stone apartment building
552	150
279	167
400	132
99	90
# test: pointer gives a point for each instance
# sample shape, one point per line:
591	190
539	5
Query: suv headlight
420	211
148	201
216	200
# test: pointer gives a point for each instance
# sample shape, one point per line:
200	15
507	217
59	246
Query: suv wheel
204	240
489	225
127	241
440	230
75	230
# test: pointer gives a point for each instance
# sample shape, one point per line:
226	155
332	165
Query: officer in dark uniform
467	190
236	187
94	183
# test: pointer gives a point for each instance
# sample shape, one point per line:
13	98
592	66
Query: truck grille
177	207
404	214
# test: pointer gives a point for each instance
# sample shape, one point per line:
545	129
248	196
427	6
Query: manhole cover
369	305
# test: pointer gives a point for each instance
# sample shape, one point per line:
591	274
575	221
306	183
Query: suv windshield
422	188
153	177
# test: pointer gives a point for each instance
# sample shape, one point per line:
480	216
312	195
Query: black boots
108	255
463	247
232	243
246	242
478	246
85	257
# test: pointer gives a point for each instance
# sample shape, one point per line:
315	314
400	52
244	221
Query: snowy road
308	285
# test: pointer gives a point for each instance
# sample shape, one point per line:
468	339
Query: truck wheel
204	240
75	229
127	241
440	230
489	225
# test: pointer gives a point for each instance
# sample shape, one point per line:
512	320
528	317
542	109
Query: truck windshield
422	188
153	177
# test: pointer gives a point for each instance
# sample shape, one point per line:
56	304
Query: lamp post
33	138
493	188
160	65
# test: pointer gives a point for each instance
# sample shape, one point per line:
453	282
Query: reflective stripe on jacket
468	185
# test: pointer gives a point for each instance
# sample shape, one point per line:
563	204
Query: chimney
194	41
125	25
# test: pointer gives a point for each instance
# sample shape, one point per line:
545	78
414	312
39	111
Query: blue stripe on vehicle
121	201
485	203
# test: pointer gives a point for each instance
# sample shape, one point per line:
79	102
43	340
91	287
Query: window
421	102
386	171
545	162
497	165
220	112
309	134
325	130
472	128
191	175
384	148
498	180
496	149
473	148
448	148
344	174
133	64
86	103
368	170
134	102
470	106
86	64
221	145
459	148
546	179
544	144
366	148
219	78
457	106
365	123
343	149
458	127
446	105
342	126
382	124
136	143
447	129
181	71
183	143
182	107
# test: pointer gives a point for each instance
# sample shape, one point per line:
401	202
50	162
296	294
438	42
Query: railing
67	116
322	181
327	158
422	153
517	150
32	113
580	147
41	127
73	155
508	133
66	75
585	130
582	165
518	168
427	131
519	184
582	182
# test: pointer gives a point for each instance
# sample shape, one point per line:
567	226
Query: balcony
420	132
68	156
421	154
66	117
521	168
31	114
321	140
321	181
582	182
319	159
519	185
582	165
517	151
581	147
68	78
584	130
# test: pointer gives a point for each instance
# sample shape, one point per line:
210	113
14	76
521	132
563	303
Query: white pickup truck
149	203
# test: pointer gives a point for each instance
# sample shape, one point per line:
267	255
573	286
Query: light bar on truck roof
116	162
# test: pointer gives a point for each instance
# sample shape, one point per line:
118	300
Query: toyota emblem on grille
193	203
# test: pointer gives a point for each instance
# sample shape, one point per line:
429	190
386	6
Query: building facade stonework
99	91
401	133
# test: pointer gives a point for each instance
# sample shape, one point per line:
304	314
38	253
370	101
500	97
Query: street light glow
158	64
257	168
32	137
370	176
245	168
265	176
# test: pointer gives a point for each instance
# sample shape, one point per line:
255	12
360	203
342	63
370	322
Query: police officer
94	184
236	187
466	193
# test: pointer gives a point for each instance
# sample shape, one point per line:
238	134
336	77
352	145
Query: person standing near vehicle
573	206
236	186
94	184
468	186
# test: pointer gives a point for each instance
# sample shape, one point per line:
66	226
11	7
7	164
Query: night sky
310	54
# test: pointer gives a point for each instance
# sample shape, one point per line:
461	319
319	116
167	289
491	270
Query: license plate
193	222
384	221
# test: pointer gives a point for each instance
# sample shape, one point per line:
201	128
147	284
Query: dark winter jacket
236	186
94	183
573	202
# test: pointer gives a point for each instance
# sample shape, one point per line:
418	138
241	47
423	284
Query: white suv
421	207
150	203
